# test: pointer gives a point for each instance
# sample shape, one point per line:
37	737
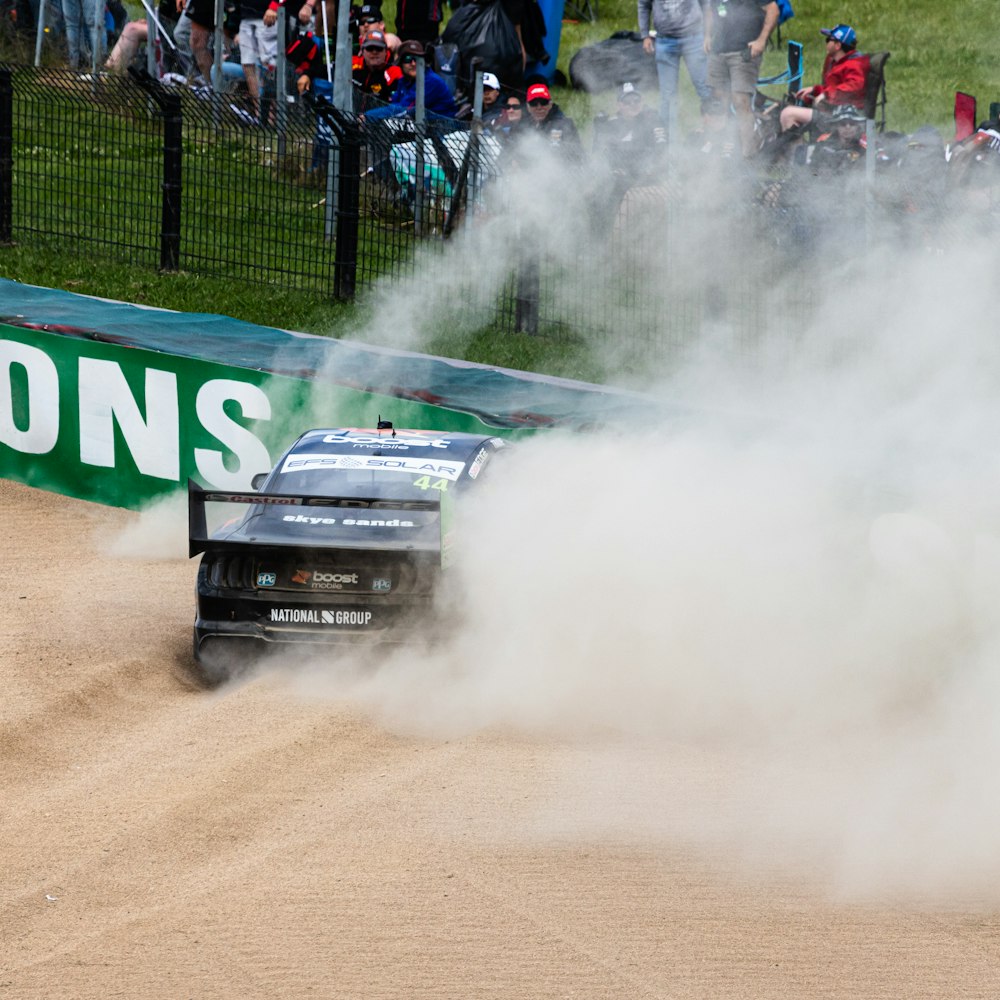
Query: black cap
370	10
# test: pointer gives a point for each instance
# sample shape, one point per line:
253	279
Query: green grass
937	48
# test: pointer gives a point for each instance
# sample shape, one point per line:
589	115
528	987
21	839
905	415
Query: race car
342	542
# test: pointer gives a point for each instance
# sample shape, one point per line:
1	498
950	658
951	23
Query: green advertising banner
122	425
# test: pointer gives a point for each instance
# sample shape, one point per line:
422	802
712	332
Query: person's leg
743	74
182	39
87	35
199	48
132	36
668	61
248	59
792	116
693	52
267	48
72	13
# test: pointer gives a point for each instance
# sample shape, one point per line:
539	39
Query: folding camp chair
792	73
875	89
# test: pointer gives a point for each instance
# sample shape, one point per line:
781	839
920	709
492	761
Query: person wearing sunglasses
437	97
545	118
373	70
370	18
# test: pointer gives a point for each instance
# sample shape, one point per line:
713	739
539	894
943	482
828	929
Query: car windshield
389	477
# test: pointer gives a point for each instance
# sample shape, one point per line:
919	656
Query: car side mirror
258	481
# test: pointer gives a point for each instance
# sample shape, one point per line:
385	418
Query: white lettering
42	432
302	519
105	398
250	452
303	615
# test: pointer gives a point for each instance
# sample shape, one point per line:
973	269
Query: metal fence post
348	213
527	294
170	230
40	31
6	154
420	128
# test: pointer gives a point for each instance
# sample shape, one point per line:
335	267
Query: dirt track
161	841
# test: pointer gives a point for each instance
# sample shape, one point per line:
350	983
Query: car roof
456	445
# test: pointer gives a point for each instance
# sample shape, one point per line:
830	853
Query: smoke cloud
770	624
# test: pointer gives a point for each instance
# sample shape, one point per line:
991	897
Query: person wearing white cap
492	108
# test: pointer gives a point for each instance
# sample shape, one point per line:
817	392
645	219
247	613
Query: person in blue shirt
437	97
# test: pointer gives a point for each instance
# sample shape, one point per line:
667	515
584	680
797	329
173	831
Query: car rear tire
221	658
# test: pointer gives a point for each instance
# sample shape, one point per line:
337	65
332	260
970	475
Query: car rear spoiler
199	540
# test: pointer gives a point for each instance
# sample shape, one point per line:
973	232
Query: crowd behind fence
320	200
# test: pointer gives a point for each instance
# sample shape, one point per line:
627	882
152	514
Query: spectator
374	72
370	19
134	34
677	32
544	115
629	146
492	105
841	147
546	120
437	96
307	53
631	142
510	116
201	14
258	45
844	74
418	20
81	26
736	33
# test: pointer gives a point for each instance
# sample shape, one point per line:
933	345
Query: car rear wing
200	541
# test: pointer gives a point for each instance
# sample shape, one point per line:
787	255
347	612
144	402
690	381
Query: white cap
490	80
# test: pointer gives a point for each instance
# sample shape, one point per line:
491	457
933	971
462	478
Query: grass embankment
936	49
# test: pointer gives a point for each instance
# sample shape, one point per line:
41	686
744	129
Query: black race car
342	542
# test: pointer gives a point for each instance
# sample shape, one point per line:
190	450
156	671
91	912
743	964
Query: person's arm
758	45
644	10
708	27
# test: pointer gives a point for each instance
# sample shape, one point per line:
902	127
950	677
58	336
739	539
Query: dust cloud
796	580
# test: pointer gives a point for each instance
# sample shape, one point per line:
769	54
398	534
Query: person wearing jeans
80	19
676	33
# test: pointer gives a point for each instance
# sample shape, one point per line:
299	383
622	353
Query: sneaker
203	92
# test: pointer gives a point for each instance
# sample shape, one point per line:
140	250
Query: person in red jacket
845	73
372	71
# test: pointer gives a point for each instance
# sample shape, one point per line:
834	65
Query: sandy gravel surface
277	840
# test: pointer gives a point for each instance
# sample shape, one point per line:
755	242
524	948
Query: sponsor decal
398	442
324	579
367	523
381	583
478	462
308	616
267	579
373	463
141	415
351	521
